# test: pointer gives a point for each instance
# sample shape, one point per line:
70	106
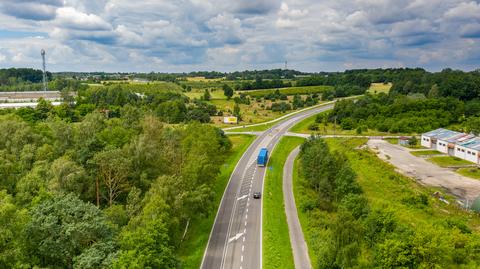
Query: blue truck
262	158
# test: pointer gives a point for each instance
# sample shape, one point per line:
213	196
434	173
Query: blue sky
227	35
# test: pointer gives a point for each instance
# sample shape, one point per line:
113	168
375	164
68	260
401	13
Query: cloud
69	17
164	35
31	10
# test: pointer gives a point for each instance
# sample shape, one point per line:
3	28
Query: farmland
289	91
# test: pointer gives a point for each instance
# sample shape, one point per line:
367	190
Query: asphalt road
236	237
299	246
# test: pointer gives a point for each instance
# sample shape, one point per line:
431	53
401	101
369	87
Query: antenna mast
44	72
285	65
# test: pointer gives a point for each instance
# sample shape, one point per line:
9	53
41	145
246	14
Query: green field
376	88
425	152
385	190
447	161
191	251
473	172
277	251
289	91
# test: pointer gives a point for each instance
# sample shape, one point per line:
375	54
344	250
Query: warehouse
461	145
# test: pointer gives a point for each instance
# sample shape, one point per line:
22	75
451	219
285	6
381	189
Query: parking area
425	172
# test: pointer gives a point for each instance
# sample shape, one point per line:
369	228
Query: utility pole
285	65
42	52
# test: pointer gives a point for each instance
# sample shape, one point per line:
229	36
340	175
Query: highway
236	237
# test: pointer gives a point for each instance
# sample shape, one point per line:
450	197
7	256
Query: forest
397	113
106	181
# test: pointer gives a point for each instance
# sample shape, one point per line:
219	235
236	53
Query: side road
299	246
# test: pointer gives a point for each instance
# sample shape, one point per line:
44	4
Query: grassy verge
191	251
446	161
410	203
425	152
473	172
277	251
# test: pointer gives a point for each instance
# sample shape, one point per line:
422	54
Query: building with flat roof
461	145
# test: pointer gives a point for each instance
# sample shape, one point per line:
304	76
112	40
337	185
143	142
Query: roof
441	133
462	139
473	143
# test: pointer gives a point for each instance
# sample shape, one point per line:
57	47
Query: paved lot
425	172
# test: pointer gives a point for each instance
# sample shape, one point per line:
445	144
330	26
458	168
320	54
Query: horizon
184	36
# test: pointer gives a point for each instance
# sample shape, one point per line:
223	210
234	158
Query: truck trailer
262	158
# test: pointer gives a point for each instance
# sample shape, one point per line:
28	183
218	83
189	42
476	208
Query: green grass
277	251
376	88
425	152
473	172
384	189
289	91
191	251
447	161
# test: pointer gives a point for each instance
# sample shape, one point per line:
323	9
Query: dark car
257	195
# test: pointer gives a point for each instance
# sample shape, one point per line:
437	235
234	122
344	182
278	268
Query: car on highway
257	195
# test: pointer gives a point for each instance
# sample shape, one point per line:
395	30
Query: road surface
236	237
299	246
425	172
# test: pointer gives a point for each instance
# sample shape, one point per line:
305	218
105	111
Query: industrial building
460	145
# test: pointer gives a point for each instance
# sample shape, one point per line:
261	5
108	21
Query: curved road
299	246
236	237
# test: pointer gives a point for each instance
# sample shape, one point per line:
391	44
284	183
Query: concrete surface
425	172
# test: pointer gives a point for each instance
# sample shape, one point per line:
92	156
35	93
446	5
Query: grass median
277	250
191	251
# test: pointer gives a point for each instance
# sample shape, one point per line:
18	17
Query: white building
461	145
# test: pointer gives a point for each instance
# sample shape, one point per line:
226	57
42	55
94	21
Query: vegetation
289	91
277	251
448	161
386	220
425	152
472	172
86	188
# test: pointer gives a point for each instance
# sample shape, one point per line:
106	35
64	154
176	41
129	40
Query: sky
230	35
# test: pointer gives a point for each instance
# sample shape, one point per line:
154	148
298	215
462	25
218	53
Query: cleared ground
376	88
426	172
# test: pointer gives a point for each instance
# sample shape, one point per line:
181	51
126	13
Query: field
448	161
425	152
376	88
289	91
191	252
277	251
385	189
473	172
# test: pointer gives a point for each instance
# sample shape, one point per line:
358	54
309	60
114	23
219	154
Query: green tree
63	228
113	170
206	95
227	91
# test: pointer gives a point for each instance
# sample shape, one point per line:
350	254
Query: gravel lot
425	172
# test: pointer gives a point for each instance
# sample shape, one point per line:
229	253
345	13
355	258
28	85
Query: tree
236	112
206	95
227	91
145	242
63	228
113	169
473	125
